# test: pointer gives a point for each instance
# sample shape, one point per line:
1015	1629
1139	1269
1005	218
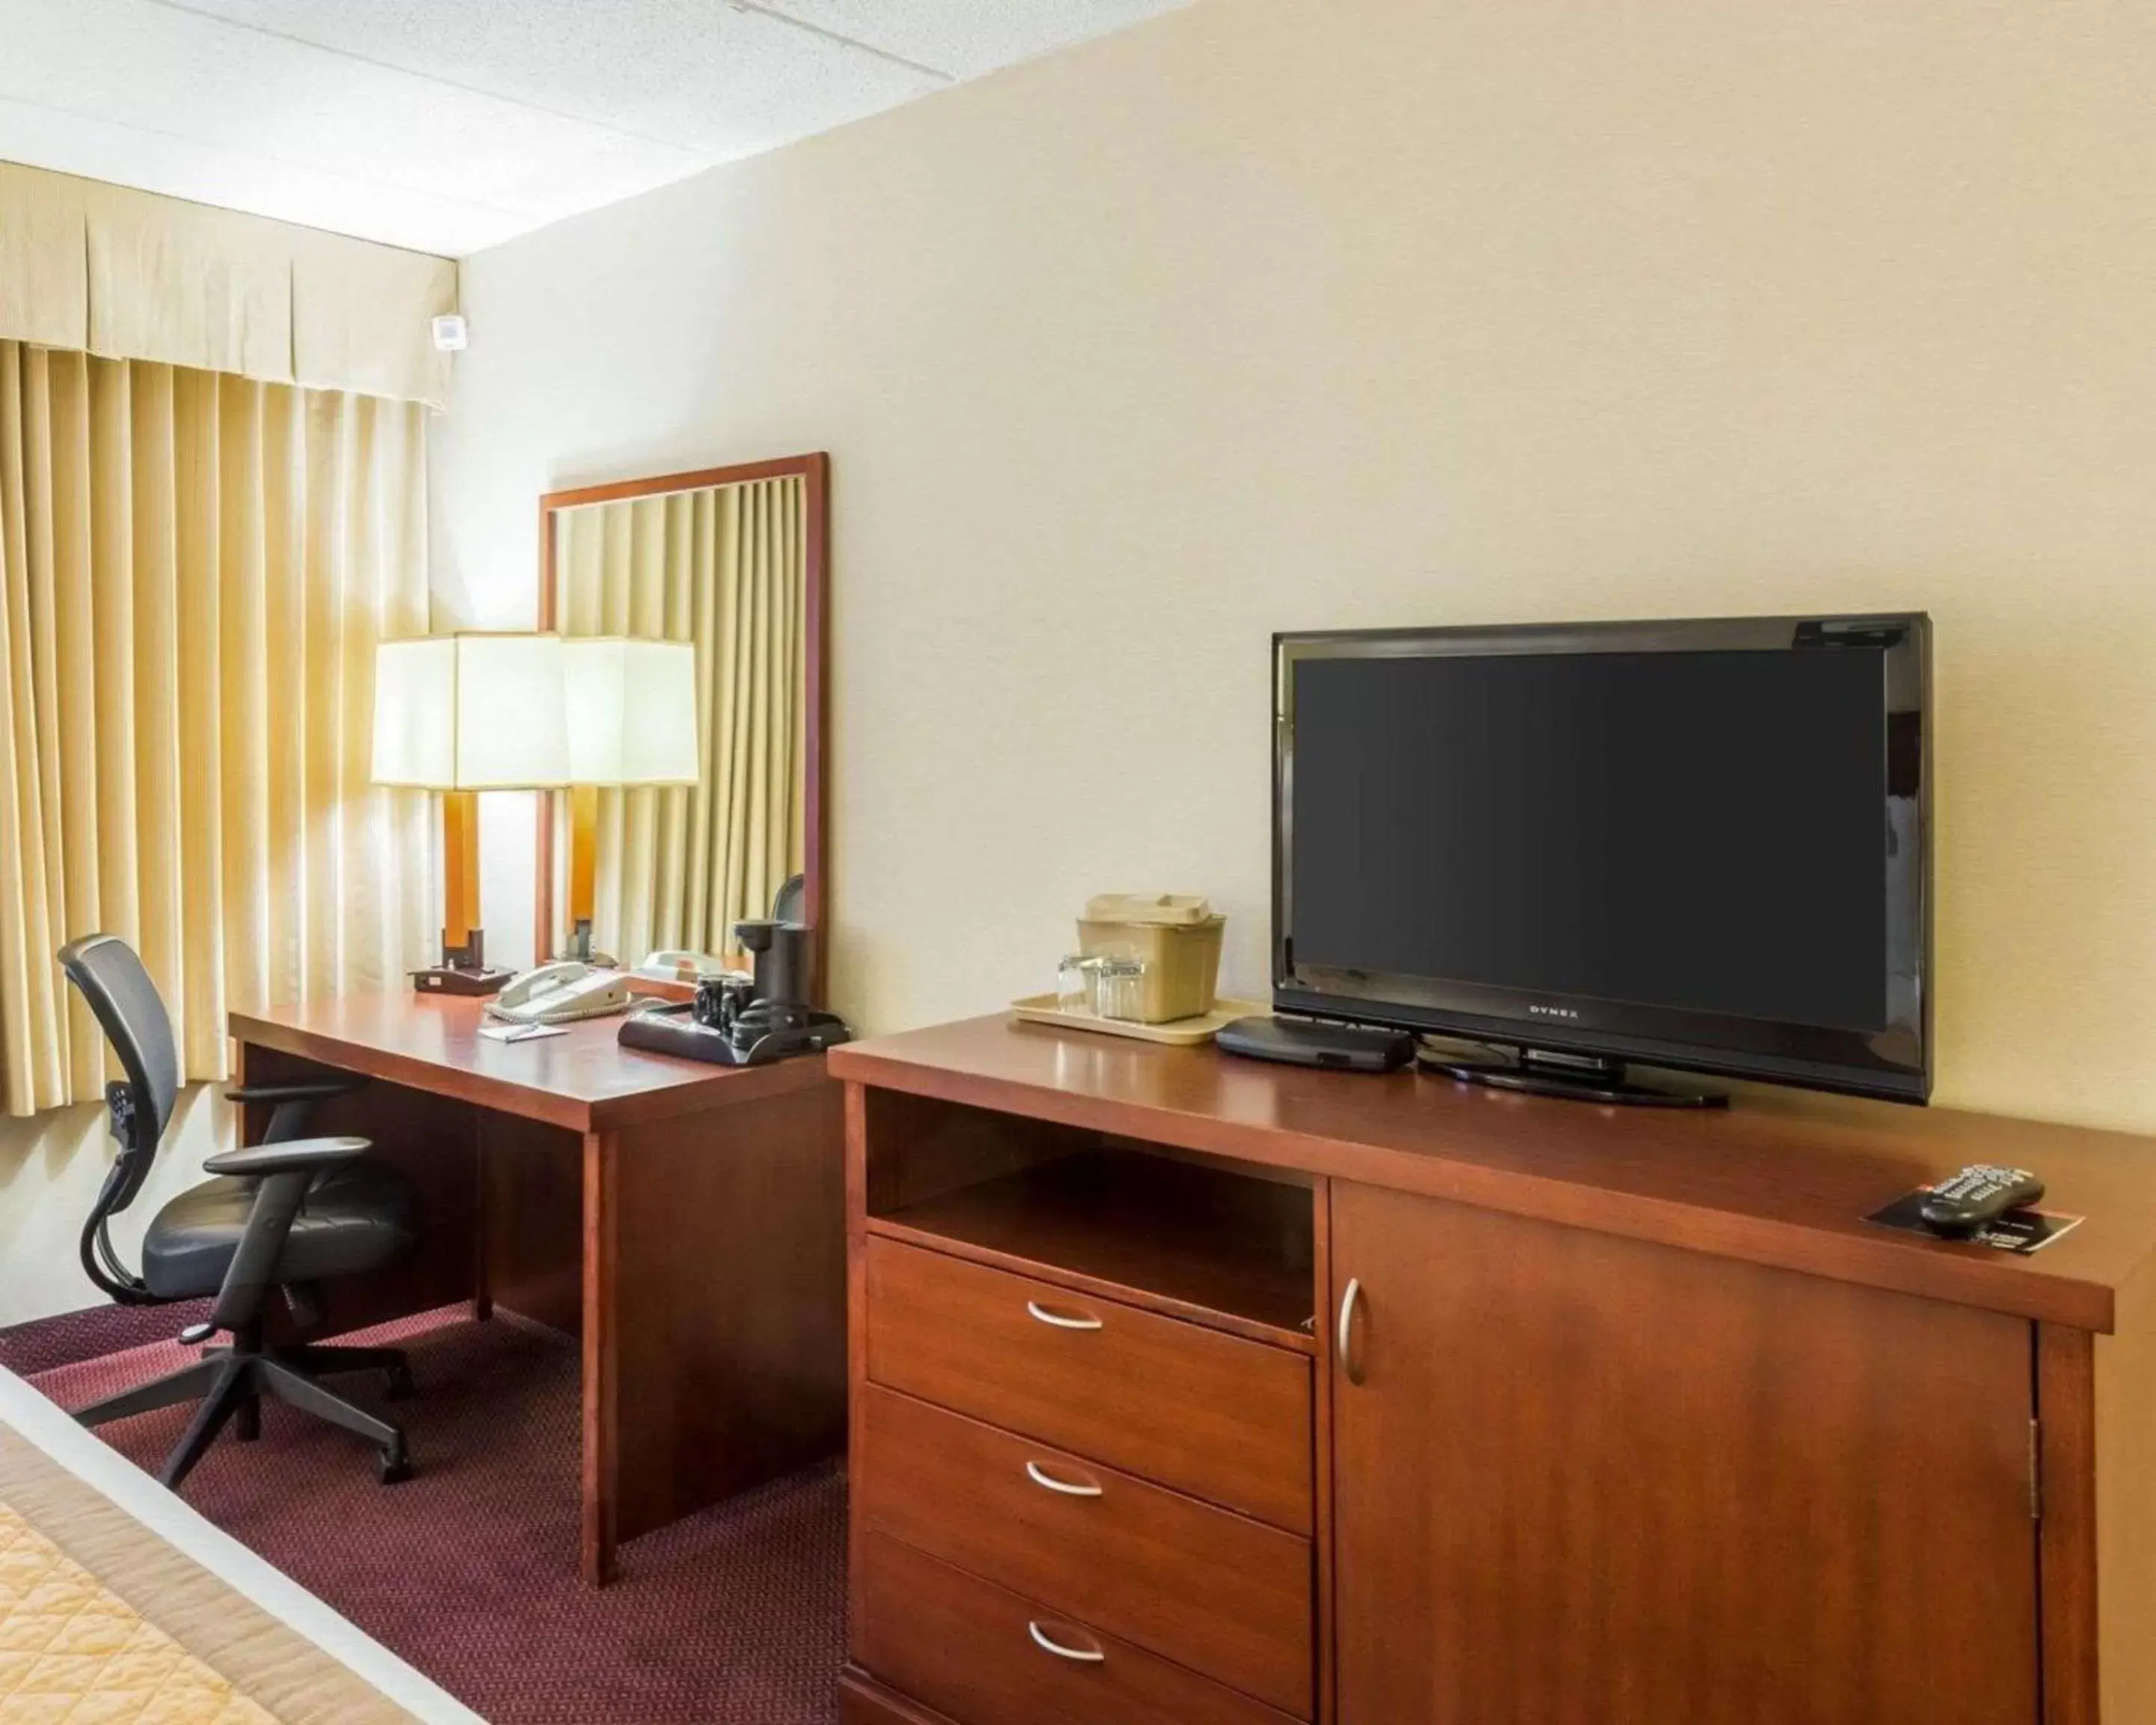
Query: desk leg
601	1355
482	1303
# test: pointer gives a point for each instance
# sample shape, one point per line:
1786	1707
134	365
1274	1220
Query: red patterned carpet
733	1617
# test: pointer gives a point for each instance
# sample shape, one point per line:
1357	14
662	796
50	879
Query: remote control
1979	1194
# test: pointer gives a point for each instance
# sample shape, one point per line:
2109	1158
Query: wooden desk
685	1221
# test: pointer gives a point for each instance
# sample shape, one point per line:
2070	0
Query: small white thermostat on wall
449	333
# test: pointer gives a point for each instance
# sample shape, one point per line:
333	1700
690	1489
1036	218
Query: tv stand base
1579	1078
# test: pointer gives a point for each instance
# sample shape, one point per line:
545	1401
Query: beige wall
1292	313
50	1169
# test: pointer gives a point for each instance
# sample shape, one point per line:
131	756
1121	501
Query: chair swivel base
230	1383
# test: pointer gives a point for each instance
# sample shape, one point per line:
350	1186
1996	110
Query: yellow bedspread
104	1621
73	1652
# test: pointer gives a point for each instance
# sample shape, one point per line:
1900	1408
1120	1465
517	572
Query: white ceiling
448	125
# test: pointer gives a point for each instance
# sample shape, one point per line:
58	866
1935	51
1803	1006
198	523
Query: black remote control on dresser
1978	1195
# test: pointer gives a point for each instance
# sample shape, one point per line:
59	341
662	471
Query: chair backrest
118	990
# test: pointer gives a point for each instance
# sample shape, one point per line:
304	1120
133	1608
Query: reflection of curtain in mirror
726	568
194	569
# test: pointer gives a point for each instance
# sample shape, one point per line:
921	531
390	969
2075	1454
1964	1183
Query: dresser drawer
1206	1587
1218	1417
984	1656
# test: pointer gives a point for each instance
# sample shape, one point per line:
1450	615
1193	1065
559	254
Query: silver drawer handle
1041	1640
1057	1318
1040	1477
1345	1350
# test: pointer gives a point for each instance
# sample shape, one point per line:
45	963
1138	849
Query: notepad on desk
521	1033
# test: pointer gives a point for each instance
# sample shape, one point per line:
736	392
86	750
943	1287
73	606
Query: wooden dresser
1191	1391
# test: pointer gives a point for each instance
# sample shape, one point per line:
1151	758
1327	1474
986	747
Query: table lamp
460	714
632	721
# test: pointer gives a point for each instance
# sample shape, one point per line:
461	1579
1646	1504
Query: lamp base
578	947
464	969
453	979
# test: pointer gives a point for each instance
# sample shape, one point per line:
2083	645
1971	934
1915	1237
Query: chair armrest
313	1090
294	1156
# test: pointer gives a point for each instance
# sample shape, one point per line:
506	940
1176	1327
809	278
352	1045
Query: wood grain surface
1218	1248
1219	1418
583	1080
965	1646
1217	1592
1586	1478
1782	1178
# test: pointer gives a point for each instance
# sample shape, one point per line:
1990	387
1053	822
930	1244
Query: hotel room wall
51	1166
1275	314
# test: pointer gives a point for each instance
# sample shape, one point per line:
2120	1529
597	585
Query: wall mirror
732	560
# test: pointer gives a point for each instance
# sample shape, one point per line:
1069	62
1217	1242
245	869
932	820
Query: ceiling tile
154	68
968	37
178	167
451	125
697	73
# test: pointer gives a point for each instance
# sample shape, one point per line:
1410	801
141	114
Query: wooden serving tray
1181	1033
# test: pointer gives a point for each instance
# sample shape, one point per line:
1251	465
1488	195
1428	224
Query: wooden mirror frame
814	471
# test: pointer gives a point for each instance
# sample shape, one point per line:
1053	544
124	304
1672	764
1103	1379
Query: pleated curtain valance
127	275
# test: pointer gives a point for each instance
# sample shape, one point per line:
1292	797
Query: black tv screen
1698	843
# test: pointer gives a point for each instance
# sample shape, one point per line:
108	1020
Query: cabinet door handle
1040	1476
1047	1643
1058	1320
1345	1350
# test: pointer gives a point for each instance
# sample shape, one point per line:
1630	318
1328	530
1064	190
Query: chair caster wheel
393	1466
399	1383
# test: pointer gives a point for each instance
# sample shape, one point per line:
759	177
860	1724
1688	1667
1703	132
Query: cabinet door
1592	1480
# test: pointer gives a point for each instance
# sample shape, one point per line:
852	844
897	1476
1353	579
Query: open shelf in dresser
1195	1239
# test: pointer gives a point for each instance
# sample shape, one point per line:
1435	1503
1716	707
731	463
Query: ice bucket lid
1172	910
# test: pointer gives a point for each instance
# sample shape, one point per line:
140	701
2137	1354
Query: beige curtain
128	275
727	567
193	571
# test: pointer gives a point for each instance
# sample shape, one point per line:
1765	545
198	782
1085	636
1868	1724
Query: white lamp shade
477	712
415	732
632	707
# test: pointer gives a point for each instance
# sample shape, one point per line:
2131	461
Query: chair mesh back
118	990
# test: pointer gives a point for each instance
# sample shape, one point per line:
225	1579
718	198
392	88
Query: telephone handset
555	993
674	965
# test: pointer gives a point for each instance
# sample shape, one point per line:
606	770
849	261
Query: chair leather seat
355	1217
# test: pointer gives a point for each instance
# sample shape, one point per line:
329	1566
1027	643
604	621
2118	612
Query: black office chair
284	1213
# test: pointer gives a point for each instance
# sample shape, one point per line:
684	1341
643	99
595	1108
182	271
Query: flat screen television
1701	845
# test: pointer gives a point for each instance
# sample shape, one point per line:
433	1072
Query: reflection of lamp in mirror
632	709
461	714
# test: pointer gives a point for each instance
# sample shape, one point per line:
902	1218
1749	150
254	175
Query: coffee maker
739	1020
769	1016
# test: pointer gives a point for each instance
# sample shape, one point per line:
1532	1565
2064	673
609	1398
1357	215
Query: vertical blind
726	567
194	569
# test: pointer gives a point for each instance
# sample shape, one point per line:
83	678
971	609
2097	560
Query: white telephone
674	965
555	993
